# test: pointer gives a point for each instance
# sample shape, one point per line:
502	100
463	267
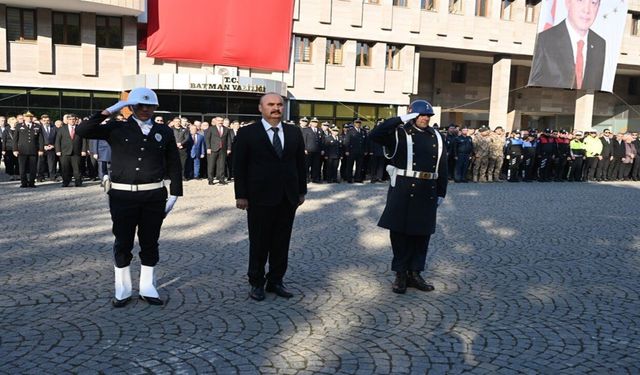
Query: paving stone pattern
530	279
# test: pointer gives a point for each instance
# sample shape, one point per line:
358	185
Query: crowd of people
35	149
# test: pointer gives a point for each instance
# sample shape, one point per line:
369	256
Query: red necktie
579	64
72	132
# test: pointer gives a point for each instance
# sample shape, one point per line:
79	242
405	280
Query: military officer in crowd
28	146
332	153
418	171
312	149
142	154
354	143
481	149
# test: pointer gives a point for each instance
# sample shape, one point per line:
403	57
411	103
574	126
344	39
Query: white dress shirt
267	128
145	126
575	37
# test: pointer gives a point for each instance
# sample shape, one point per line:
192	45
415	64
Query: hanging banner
244	33
578	44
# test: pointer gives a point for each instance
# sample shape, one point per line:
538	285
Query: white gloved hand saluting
118	106
409	116
440	200
171	201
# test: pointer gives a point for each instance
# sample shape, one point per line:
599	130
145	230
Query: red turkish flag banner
244	33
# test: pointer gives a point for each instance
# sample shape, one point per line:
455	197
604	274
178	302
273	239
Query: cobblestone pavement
530	278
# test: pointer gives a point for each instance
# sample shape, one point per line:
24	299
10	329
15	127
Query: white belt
140	187
418	174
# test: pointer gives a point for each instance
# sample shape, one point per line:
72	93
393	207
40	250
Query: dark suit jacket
355	142
312	141
67	146
260	175
49	139
216	142
607	148
28	141
553	64
619	151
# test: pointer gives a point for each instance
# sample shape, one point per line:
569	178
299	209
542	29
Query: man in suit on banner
270	182
570	54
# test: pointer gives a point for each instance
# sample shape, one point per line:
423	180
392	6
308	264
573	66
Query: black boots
414	280
400	283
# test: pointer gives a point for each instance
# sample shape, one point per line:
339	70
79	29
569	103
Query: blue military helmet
421	107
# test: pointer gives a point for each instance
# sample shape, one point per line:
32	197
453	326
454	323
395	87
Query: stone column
88	40
499	104
45	41
583	118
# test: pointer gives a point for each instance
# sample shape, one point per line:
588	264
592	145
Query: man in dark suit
618	152
354	149
216	140
332	152
570	55
270	183
606	156
70	149
183	142
233	131
47	162
28	145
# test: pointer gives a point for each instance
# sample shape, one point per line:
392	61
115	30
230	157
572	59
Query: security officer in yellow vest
142	154
418	171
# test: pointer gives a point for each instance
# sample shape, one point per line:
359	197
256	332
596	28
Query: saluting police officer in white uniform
418	171
143	153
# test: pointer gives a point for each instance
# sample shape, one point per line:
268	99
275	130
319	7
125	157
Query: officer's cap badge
158	137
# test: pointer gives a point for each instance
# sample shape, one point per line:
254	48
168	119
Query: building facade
349	58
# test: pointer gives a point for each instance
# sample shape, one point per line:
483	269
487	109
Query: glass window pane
58	19
386	112
101	21
76	99
58	34
45	98
169	102
29	22
14	30
102	100
367	111
73	19
324	110
73	35
345	111
304	109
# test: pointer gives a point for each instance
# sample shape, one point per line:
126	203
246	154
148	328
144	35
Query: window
66	28
400	3
505	11
21	24
458	72
334	52
363	54
455	6
428	5
481	8
393	57
109	32
303	49
635	24
530	11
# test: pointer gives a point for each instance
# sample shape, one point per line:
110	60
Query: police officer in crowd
377	161
418	171
514	156
462	148
143	153
28	145
563	155
577	155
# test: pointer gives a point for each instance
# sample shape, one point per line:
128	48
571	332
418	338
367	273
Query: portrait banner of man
578	44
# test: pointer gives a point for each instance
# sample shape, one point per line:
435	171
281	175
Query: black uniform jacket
260	175
355	142
28	141
137	158
332	147
412	203
312	140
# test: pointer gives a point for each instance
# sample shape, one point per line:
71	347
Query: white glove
171	201
118	106
409	116
440	200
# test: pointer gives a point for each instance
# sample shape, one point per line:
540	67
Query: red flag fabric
244	33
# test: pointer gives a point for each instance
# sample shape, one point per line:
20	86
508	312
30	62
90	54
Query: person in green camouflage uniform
496	154
481	148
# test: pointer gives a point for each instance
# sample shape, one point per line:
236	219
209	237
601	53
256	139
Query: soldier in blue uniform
143	153
418	171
